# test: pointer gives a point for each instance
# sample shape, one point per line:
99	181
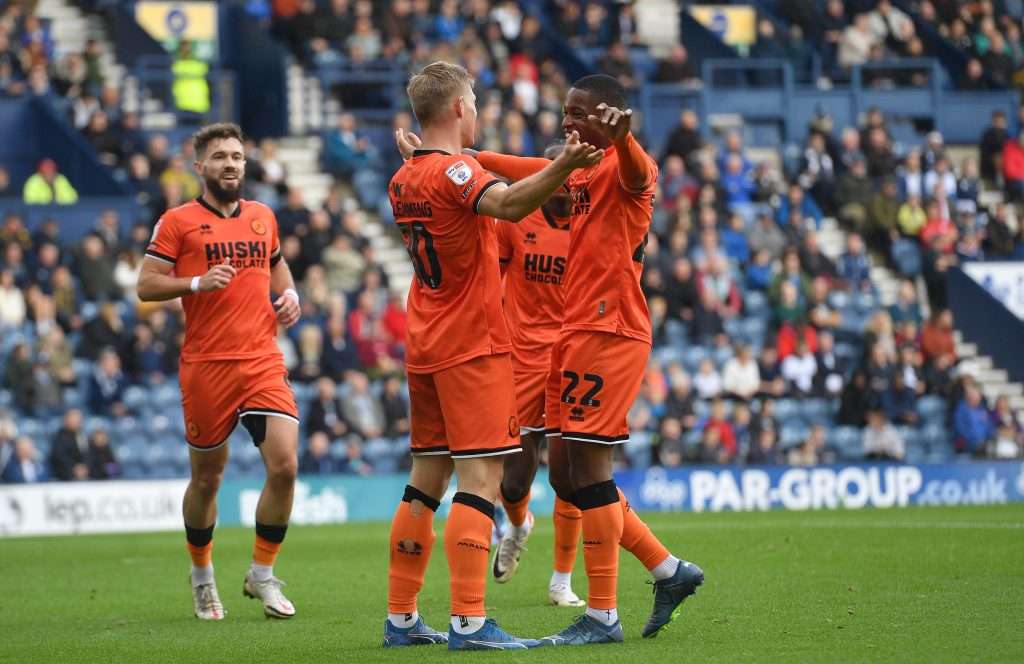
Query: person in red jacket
1013	167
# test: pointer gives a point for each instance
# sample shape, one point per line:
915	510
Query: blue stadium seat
838	299
866	302
693	356
756	304
667	355
638	450
31	427
721	355
701	409
928	407
793	435
6	398
754	330
164	396
73	398
786	410
136	399
847	442
815	411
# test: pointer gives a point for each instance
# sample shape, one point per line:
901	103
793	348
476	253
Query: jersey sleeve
275	240
511	166
165	244
466	181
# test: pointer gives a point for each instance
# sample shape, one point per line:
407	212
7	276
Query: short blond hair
434	87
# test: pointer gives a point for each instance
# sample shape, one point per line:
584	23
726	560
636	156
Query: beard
223	194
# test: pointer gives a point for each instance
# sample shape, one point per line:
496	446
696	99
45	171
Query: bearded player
221	255
458	356
600	357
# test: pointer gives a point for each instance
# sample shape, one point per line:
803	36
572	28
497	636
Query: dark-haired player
599	360
222	256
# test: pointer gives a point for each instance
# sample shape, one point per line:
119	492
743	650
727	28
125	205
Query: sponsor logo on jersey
459	173
531	238
576	414
205	229
241	254
544	269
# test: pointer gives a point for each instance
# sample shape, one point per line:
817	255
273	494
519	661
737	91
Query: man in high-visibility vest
47	186
191	90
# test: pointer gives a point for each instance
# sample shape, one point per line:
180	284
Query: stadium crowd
766	350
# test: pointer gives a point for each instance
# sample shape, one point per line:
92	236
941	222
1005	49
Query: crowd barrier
147	506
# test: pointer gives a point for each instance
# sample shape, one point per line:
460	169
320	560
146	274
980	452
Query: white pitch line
847	525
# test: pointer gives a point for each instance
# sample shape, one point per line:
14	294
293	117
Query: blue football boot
669	595
584	631
417	635
488	637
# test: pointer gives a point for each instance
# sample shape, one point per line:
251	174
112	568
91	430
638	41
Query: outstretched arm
635	173
511	167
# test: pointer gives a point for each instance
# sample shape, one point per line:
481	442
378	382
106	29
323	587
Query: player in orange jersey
533	254
600	357
461	388
222	256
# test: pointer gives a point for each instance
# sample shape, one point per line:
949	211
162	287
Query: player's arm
635	172
157	284
282	283
514	202
504	165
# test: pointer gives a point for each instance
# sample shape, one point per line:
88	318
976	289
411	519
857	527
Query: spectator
820	314
316	459
772	382
107	385
617	64
799	370
708	324
810	451
676	68
102	463
685	139
817	172
854	194
906	307
47	186
767	235
670	449
339	352
791	274
830	371
990	147
719	420
879	154
898	402
711	450
937	336
740	377
354	463
325	412
883	214
764	451
106	330
396	408
24	466
1013	167
20	379
855	401
798	201
854	266
361	409
790	310
70	453
12	302
942	176
1007	444
881	441
912	217
972	425
707	382
680	401
343	264
857	42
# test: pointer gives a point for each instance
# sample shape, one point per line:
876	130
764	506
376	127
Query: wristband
194	286
290	292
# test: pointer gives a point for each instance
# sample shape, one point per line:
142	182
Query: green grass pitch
919	584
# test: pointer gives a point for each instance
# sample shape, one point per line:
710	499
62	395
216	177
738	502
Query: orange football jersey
534	255
606	251
236	322
454	311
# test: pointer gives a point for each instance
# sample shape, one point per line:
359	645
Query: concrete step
966	350
1017	403
993	392
992	376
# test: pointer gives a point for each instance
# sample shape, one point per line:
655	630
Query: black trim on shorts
474	501
480	194
159	256
595	437
438	449
596	495
412	493
487	451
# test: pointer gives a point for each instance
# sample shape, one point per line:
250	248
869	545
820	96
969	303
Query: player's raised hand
613	122
287	307
407	142
218	277
579	155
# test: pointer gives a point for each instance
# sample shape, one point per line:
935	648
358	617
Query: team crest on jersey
258	227
459	173
193	429
513	426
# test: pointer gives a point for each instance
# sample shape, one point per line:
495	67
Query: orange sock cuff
412	541
467	543
568	521
638	539
201	556
264	552
516	510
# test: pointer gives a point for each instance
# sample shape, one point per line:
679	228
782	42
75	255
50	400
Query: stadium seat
721	355
756	304
701	409
6	398
786	410
847	442
793	435
866	303
928	407
693	356
31	427
137	399
838	299
754	330
815	411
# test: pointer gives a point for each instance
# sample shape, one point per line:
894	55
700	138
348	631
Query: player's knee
206	481
514	488
562	485
283	471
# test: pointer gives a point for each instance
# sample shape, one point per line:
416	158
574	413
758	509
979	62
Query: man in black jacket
69	457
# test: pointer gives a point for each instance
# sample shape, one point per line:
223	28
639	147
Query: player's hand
613	122
217	278
579	155
407	142
288	310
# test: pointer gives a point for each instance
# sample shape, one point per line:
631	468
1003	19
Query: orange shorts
594	379
467	411
216	394
530	390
